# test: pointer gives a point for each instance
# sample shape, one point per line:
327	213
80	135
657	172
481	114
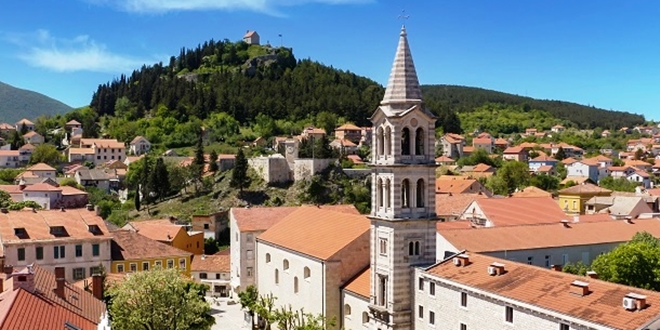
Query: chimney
24	279
90	207
97	286
7	269
638	299
565	224
557	268
576	218
59	281
97	210
62	209
579	288
462	260
592	274
496	269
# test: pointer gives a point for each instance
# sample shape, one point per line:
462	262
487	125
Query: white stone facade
243	254
355	312
273	169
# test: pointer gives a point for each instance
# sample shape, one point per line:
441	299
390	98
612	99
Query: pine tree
213	161
561	154
24	129
239	178
161	178
199	152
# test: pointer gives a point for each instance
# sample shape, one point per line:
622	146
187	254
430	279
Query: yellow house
572	200
165	231
132	252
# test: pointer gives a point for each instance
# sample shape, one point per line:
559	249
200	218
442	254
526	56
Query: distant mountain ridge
16	103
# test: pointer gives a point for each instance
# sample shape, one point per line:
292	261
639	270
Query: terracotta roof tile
589	231
129	245
482	141
545	169
454	204
569	160
262	218
9	153
543	158
579	180
316	232
31	134
348	127
513	150
81	151
162	230
468	149
481	167
531	191
551	290
218	263
70	191
42	187
73	122
520	211
444	159
459	186
24	121
586	188
360	284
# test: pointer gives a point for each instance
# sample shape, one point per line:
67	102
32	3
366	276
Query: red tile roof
218	263
70	191
129	245
31	134
360	284
551	290
162	230
531	191
458	186
520	211
316	232
543	158
9	153
444	159
262	218
482	141
73	122
545	169
454	204
42	187
348	127
513	150
585	189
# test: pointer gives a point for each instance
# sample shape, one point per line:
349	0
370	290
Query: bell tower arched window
419	141
388	196
379	191
405	194
379	142
388	141
421	189
405	141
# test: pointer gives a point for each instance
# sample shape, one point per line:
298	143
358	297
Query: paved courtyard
227	316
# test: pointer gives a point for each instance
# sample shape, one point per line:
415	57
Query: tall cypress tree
239	178
213	161
160	179
137	200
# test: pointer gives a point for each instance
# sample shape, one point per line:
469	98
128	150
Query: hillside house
584	168
618	207
10	159
33	138
213	270
491	212
164	231
6	129
251	38
515	153
349	132
452	145
543	160
24	122
139	146
573	199
484	141
558	129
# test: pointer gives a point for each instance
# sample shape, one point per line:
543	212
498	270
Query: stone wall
273	169
305	168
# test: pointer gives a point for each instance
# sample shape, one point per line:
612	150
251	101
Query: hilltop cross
403	16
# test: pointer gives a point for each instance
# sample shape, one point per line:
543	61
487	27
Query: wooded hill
247	81
16	104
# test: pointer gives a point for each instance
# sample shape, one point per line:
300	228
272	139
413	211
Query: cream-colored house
139	146
24	122
212	270
102	150
309	255
251	37
34	138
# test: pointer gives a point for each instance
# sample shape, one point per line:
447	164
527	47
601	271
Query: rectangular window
432	288
120	268
94	270
420	285
383	246
145	266
250	254
547	261
78	274
203	276
463	299
217	276
96	250
182	263
530	260
463	326
133	267
78	251
158	264
431	317
509	314
39	251
420	311
21	254
58	252
563	326
564	259
249	272
62	256
170	263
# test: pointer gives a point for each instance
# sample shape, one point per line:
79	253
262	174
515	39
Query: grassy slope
16	103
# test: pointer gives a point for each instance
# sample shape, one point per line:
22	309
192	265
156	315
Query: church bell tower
403	194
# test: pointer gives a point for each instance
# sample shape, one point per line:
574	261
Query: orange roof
550	290
42	187
162	230
81	151
24	121
569	160
249	34
619	168
545	235
218	263
73	122
43	309
513	150
543	158
9	153
545	169
40	167
589	161
528	145
444	159
454	204
576	179
481	167
586	189
520	211
129	245
601	158
27	146
348	127
70	191
459	186
501	141
355	159
642	174
137	139
31	134
531	191
468	149
317	232
482	141
5	126
360	284
344	143
262	218
11	188
635	163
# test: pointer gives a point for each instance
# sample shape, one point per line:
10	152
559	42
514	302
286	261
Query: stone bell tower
403	194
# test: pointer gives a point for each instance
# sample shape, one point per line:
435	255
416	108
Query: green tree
16	140
239	177
71	182
46	153
248	299
636	263
617	184
545	182
137	200
199	153
640	154
213	161
158	299
561	154
24	129
578	268
159	181
511	176
479	156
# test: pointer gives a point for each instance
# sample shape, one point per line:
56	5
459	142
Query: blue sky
597	52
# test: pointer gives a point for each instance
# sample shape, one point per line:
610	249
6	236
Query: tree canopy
159	299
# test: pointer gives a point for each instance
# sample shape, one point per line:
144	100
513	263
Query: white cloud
77	54
264	6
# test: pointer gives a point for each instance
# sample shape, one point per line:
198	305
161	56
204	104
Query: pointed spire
403	85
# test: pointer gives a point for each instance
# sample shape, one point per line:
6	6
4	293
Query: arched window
277	276
388	141
411	248
421	189
285	264
405	194
307	273
419	141
295	284
379	192
267	257
417	248
405	141
387	193
347	309
380	143
365	317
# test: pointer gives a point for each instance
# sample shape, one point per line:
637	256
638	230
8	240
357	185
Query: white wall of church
358	319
